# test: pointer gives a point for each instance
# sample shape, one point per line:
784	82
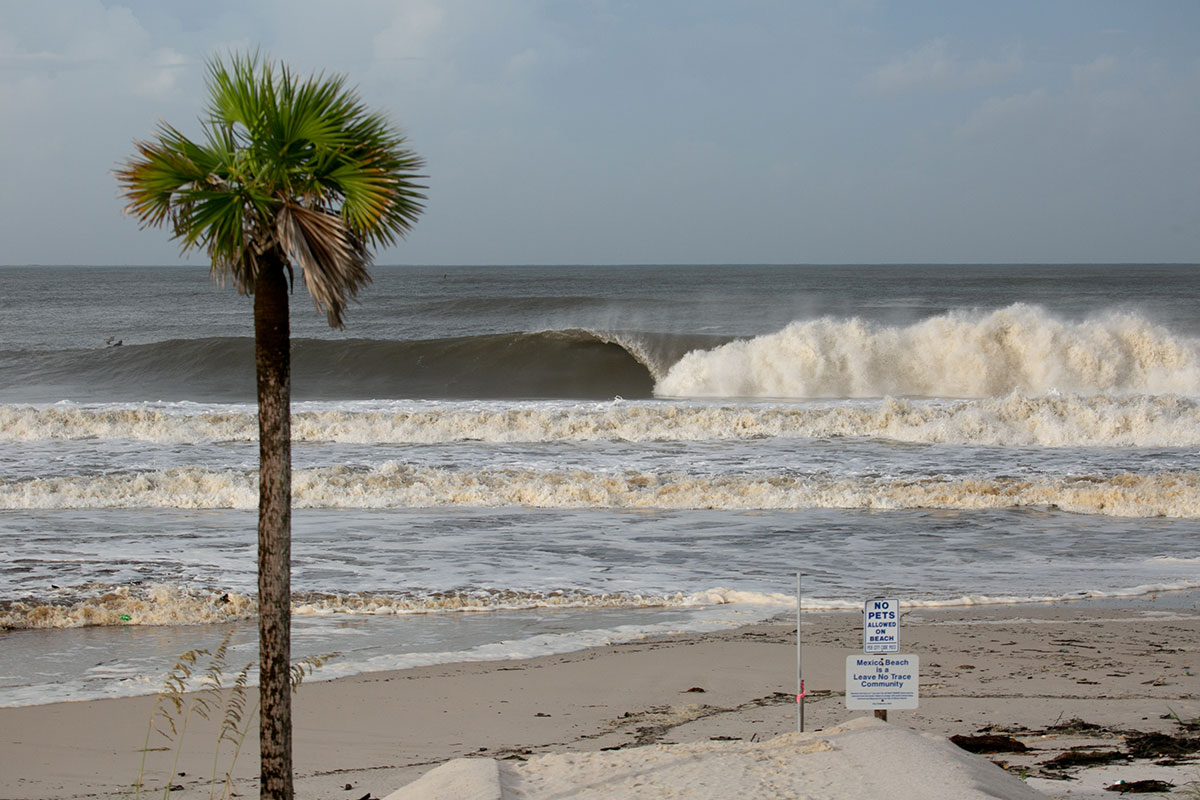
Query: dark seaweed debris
1083	758
1161	745
1075	725
989	743
1140	787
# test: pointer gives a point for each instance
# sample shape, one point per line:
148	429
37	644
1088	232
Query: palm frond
298	166
333	259
162	167
238	91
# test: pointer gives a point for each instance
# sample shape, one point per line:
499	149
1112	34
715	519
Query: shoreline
1122	667
385	642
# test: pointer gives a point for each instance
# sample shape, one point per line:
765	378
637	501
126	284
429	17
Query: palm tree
290	173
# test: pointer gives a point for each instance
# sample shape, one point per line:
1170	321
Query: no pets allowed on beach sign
880	682
881	625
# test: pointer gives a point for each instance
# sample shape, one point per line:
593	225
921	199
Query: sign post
800	693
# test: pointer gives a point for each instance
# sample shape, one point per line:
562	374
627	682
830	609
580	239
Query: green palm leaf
296	168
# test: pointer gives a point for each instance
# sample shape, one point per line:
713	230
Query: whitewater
1020	348
497	462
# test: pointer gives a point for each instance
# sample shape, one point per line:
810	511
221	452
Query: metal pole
800	693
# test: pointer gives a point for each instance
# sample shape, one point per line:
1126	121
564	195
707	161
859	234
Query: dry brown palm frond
333	258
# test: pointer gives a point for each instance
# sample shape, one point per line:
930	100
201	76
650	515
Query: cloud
1023	113
933	67
412	33
82	52
162	69
699	129
1101	67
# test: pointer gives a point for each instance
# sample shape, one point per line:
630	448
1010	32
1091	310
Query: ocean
500	462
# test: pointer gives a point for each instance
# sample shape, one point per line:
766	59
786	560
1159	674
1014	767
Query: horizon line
683	264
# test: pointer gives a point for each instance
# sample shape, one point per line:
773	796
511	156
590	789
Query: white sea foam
394	485
173	604
478	600
147	423
1103	420
1090	594
155	604
722	595
1021	348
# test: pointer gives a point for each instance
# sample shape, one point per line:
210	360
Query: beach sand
1078	677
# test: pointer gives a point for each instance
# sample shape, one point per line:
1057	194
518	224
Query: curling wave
565	364
960	354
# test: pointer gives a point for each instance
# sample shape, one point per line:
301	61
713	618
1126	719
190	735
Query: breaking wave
1021	348
156	604
961	354
171	604
1163	494
1015	419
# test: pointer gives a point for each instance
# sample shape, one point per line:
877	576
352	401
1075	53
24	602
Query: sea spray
1021	348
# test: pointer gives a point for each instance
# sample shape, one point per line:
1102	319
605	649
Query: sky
656	131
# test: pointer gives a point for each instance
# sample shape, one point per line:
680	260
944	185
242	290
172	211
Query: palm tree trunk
272	355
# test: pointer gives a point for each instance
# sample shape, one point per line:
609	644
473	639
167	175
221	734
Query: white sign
881	625
875	681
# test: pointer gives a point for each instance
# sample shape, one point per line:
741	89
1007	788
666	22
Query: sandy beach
1055	678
